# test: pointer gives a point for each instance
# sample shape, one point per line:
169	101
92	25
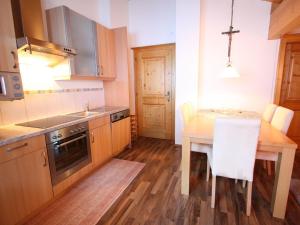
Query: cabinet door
101	144
35	179
121	135
8	48
82	37
106	53
12	207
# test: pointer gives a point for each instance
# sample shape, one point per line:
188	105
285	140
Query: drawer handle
15	66
45	158
17	147
93	137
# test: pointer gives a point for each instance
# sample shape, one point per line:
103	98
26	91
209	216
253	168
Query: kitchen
92	111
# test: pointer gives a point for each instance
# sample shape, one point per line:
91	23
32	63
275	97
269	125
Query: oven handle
71	141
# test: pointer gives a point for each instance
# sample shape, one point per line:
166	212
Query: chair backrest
282	119
188	111
269	112
234	147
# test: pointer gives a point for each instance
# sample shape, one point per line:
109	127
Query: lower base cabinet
101	142
121	135
25	185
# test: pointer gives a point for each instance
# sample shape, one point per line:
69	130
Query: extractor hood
31	31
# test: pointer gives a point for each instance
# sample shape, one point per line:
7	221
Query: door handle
93	137
168	95
45	158
15	66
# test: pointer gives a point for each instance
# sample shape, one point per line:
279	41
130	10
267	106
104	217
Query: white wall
253	55
151	22
187	57
119	13
97	10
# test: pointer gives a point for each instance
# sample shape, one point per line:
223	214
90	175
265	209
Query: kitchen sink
84	114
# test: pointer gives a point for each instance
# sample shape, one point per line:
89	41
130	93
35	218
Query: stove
48	122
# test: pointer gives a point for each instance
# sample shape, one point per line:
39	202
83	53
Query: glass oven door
68	155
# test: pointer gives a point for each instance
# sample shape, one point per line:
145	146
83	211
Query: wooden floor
154	197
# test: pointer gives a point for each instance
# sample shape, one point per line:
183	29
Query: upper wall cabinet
8	44
69	28
106	51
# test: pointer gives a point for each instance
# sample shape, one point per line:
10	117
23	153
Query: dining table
200	129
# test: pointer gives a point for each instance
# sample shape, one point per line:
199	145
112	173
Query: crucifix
230	34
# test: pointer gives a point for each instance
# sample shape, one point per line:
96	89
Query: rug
88	201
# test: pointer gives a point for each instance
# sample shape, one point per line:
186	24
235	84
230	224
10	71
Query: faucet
87	106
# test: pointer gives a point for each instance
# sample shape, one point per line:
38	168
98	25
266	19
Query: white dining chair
269	112
188	112
233	153
281	121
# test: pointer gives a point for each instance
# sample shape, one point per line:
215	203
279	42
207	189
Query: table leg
282	182
185	166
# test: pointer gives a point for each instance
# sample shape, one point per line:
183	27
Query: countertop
13	133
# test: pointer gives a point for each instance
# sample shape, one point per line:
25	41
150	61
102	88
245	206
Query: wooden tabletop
201	127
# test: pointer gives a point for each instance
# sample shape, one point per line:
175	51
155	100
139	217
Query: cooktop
48	122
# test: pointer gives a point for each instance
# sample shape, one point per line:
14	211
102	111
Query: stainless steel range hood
31	31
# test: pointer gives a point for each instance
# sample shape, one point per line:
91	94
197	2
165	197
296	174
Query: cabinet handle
17	147
45	158
93	137
98	70
15	66
101	70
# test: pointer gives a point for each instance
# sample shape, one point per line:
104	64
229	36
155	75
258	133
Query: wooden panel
101	145
99	122
106	52
17	149
8	53
120	135
12	208
284	19
154	67
35	179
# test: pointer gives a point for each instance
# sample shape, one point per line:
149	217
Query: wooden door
121	135
154	69
106	53
35	179
288	82
8	52
101	145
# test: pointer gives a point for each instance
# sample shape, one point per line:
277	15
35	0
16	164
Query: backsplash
39	105
46	97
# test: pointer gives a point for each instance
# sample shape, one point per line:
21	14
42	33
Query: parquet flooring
154	197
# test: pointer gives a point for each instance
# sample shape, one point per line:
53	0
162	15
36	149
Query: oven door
68	156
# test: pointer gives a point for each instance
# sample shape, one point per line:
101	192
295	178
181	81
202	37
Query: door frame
173	82
288	38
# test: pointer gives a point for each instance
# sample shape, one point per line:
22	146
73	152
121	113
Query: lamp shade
229	72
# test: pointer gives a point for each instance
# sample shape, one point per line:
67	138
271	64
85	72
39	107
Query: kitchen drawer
99	122
20	148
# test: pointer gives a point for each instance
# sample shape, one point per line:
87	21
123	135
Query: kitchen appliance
31	31
68	151
114	117
10	86
68	148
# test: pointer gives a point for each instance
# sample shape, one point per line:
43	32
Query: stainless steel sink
84	114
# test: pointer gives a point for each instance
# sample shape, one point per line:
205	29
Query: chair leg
244	184
249	197
236	181
269	168
265	164
207	171
213	191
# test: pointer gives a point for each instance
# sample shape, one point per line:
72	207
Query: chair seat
202	148
269	156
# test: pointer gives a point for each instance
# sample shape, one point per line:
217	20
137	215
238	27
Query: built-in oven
68	151
10	86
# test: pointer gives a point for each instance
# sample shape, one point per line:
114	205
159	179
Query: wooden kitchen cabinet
121	135
8	44
101	141
25	180
106	53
